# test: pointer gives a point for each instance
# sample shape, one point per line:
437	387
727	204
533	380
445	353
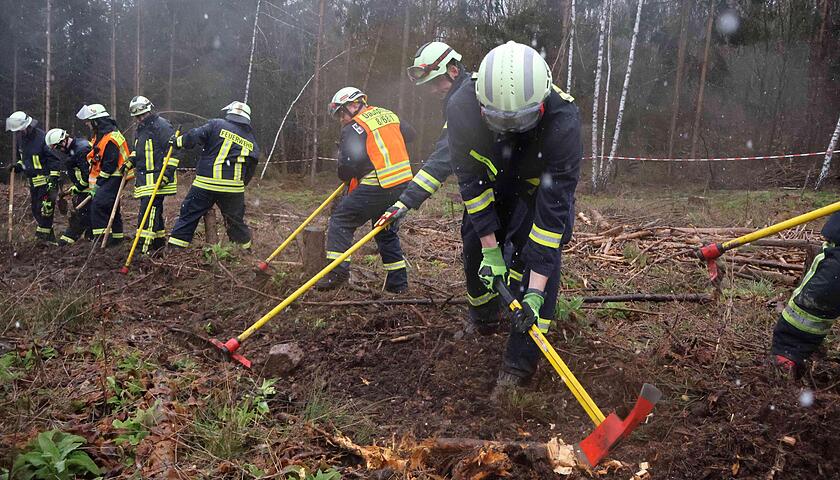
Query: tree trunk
284	163
699	111
113	59
401	76
49	67
137	40
620	117
210	234
832	144
13	159
171	56
316	102
373	56
313	251
675	106
571	47
597	160
253	44
607	83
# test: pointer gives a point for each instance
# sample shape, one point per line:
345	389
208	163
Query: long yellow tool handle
11	204
306	222
790	223
149	206
306	286
107	231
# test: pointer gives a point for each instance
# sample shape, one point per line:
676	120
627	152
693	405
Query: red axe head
613	429
262	266
229	350
710	253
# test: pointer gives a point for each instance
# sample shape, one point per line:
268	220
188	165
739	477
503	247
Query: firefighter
812	308
151	143
515	142
77	169
372	157
108	154
227	164
41	167
437	67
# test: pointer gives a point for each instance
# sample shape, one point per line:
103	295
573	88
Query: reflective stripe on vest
799	318
95	154
385	146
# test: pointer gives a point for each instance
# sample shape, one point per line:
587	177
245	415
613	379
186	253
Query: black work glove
173	142
16	167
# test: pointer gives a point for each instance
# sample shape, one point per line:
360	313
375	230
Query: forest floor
123	360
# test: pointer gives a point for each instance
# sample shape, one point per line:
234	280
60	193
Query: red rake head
710	253
263	266
613	429
229	348
124	270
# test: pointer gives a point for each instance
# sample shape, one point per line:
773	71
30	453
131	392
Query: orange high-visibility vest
95	154
385	146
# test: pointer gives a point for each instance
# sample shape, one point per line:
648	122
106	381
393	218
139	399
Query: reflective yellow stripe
219	184
798	317
370	179
228	135
178	243
380	144
426	181
150	157
533	181
482	299
98	231
67	239
545	237
543	324
333	255
514	275
36	162
246	245
565	96
38	180
221	157
43	229
237	169
486	161
394	266
480	202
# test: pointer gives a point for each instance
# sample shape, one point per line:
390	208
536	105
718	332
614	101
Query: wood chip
787	440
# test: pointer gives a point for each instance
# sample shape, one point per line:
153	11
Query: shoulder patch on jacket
358	128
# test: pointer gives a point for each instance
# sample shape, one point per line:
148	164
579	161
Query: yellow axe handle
789	223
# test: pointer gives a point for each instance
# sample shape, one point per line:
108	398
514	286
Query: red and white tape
720	159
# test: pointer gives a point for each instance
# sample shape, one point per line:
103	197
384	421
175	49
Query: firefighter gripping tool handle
263	265
709	253
138	234
232	345
551	355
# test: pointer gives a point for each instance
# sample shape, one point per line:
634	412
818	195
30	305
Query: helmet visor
418	73
519	121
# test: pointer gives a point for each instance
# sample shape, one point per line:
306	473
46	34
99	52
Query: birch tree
624	89
675	106
607	86
828	154
137	72
571	48
596	158
49	67
253	44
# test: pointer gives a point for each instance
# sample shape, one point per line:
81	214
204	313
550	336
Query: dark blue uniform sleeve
428	180
554	204
197	136
831	230
163	133
53	163
353	160
469	144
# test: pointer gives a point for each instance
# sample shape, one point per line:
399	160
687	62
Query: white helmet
513	82
139	105
18	121
431	61
239	109
344	96
55	136
90	112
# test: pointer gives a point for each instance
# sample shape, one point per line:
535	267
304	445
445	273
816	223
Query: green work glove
534	301
93	189
47	208
492	266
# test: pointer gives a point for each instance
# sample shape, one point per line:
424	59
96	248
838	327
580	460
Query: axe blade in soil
710	253
613	429
229	350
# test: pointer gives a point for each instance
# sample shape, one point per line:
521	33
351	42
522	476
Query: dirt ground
83	346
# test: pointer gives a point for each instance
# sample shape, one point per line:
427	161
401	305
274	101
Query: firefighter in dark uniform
437	67
151	143
108	154
227	164
41	167
373	158
77	170
813	307
515	141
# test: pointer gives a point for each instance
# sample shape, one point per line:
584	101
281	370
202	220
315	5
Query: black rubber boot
397	281
333	280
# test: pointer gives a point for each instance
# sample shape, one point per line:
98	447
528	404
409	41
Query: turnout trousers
812	308
365	204
78	222
100	209
197	202
39	195
521	353
153	235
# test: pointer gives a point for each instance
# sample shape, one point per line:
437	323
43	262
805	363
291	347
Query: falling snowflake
806	398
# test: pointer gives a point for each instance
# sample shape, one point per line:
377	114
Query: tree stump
210	234
312	249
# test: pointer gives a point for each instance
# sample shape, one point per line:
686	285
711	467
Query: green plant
277	278
569	308
295	472
613	310
132	363
7	364
217	251
755	288
136	428
125	391
54	455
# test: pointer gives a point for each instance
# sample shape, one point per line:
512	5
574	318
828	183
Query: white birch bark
624	88
571	48
607	86
49	67
253	44
828	154
596	158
